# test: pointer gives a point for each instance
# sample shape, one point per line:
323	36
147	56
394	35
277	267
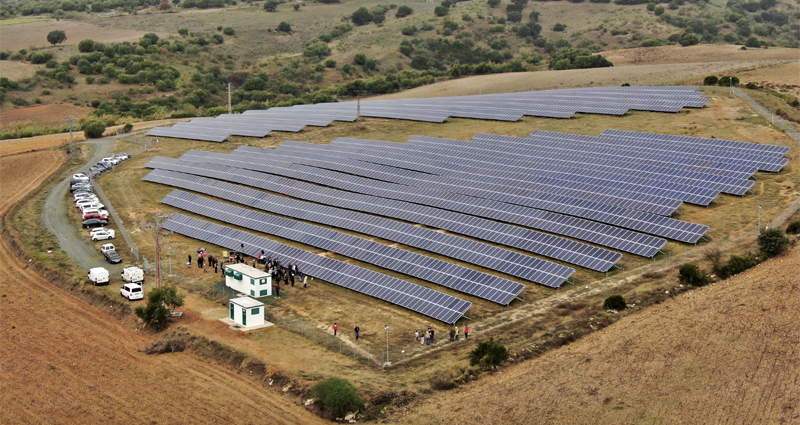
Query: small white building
247	311
248	280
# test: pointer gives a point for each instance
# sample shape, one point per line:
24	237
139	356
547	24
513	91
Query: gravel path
54	217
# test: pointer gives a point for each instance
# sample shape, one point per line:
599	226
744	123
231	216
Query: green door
231	311
244	317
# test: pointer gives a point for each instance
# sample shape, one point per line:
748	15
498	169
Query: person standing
335	328
432	336
422	338
190	259
277	291
358	332
291	278
466	332
456	333
453	334
416	336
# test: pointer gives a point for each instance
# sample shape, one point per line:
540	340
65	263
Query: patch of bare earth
721	354
34	34
44	115
64	361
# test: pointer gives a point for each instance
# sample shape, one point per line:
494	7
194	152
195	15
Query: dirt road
64	361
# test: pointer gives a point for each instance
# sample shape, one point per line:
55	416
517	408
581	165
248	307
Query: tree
159	303
337	397
317	49
271	5
296	7
489	354
773	242
515	17
728	81
690	274
493	3
165	5
183	31
711	80
559	27
378	18
752	42
56	37
330	63
689	39
284	27
615	302
228	31
403	11
441	10
94	129
362	16
360	59
793	228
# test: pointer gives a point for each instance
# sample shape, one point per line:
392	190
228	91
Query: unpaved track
64	361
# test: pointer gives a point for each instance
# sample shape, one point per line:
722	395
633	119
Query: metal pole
387	344
230	127
759	221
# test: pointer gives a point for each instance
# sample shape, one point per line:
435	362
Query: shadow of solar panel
420	299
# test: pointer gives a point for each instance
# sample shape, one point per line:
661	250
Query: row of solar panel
495	208
474	252
459	278
471	251
578	228
503	107
420	299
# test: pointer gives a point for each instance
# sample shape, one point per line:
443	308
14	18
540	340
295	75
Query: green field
24	21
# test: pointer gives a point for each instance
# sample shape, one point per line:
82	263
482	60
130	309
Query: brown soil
721	354
64	361
43	115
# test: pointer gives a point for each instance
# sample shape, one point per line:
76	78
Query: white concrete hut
247	312
248	280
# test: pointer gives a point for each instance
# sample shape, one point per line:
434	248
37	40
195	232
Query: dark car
105	165
112	257
94	222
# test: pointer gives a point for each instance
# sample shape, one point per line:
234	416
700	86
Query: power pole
71	149
230	127
358	105
157	234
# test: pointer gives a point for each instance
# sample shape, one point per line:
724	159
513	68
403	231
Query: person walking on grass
335	328
358	332
416	336
466	332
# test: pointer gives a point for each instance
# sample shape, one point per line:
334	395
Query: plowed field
64	361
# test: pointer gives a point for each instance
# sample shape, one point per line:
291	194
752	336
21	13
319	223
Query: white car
101	236
111	159
102	229
132	291
80	176
90	204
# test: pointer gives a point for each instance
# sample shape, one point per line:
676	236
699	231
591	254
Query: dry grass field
64	361
34	34
41	115
722	354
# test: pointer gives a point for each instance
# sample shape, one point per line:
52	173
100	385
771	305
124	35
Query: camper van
98	276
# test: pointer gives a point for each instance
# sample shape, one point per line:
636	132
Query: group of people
287	274
425	338
454	333
204	261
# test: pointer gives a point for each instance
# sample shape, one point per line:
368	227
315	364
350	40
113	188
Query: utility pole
358	110
157	234
388	363
71	149
230	127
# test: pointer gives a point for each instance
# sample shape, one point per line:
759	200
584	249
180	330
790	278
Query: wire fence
775	120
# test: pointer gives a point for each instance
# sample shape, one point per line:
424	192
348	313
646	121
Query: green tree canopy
56	37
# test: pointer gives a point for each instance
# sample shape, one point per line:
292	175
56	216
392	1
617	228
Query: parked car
94	205
79	186
80	176
122	155
112	257
91	216
132	274
132	291
98	276
96	169
106	165
102	236
81	195
102	229
89	203
94	222
112	160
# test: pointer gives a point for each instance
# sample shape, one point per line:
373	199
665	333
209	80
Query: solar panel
453	276
420	299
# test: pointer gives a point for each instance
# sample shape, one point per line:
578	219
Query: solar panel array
501	107
426	301
459	278
513	236
516	264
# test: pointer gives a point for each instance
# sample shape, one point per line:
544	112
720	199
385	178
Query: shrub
360	59
362	16
659	10
271	5
559	27
493	3
127	128
650	42
773	242
94	129
403	11
752	42
615	302
711	80
793	228
284	27
156	313
728	81
330	63
337	397
690	274
441	10
90	80
737	265
488	354
228	31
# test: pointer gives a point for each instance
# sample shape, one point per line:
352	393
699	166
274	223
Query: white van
133	274
132	291
80	177
98	276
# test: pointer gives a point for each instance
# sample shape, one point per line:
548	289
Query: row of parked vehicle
106	164
132	276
